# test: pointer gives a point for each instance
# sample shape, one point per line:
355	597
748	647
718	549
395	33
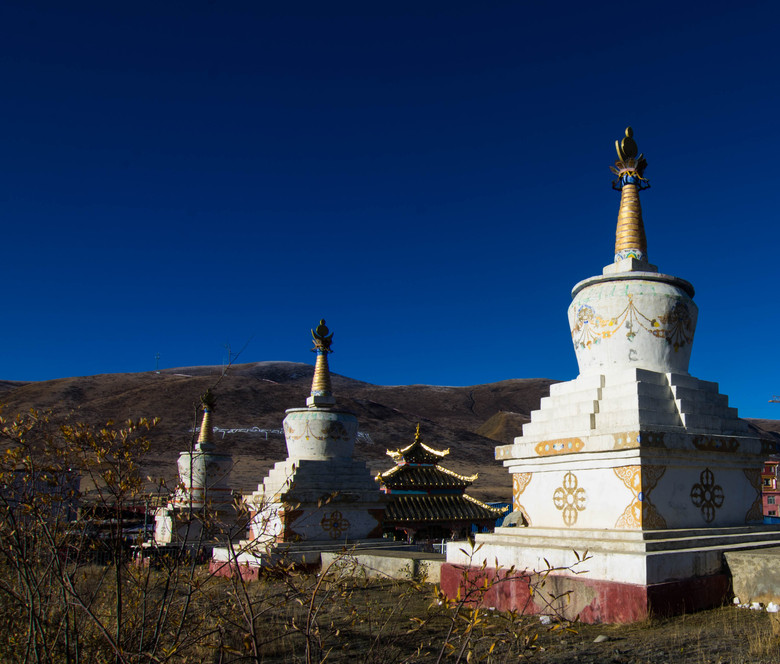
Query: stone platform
755	575
248	557
625	575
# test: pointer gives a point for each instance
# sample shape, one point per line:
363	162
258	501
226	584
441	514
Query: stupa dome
630	315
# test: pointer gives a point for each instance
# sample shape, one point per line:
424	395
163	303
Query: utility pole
157	362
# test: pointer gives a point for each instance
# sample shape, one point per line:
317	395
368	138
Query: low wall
392	564
755	575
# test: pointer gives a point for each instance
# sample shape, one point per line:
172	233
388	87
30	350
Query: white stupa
202	506
635	461
319	496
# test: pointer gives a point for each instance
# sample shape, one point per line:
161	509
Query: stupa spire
630	240
206	436
321	390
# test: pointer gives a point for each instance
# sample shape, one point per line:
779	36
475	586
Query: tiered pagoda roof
423	493
422	508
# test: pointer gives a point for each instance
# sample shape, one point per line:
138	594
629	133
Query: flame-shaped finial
630	239
321	390
322	340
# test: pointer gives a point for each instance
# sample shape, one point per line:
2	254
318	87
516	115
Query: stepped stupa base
642	466
626	576
249	556
317	500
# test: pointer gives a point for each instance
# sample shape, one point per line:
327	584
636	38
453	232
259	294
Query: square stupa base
599	575
588	600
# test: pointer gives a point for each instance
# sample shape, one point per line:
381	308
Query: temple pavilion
428	501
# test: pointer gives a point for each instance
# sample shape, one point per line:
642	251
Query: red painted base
227	570
572	596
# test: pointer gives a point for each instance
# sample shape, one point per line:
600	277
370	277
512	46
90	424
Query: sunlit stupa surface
635	461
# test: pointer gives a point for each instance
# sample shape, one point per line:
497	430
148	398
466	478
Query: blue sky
432	178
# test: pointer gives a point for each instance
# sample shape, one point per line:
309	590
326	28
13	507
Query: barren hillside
252	398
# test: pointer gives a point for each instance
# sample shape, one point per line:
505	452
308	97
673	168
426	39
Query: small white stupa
203	497
635	461
319	495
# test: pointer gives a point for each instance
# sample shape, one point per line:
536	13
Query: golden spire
320	385
630	240
321	390
206	437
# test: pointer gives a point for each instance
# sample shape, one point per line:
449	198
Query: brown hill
503	426
252	398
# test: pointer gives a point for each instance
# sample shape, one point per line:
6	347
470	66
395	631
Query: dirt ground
387	623
728	635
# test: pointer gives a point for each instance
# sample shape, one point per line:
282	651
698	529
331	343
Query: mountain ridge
252	399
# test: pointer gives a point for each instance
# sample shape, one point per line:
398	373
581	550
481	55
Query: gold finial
208	400
322	340
630	239
627	149
206	437
321	391
417	433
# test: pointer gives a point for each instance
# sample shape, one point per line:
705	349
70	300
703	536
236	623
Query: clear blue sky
430	177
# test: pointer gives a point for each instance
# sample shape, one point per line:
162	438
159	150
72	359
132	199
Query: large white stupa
635	461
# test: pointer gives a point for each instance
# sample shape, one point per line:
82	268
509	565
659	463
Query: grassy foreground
71	590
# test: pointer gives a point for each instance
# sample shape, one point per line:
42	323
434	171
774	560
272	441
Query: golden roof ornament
630	240
322	340
321	390
417	449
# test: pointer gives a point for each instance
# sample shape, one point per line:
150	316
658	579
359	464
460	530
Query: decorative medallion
519	483
560	446
570	499
335	524
715	444
640	513
707	495
676	327
337	431
679	326
756	511
631	439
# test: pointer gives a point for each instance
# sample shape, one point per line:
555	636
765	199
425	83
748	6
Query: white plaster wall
317	434
632	322
612	489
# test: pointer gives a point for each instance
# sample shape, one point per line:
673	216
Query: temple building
635	461
428	501
202	507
